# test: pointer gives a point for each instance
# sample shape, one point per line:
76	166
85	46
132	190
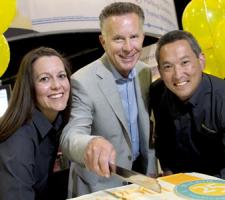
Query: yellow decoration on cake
179	178
209	188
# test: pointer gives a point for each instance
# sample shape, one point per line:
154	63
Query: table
136	192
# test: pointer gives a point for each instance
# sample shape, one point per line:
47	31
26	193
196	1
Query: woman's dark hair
23	100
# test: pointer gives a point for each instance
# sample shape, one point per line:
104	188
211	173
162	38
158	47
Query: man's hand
98	154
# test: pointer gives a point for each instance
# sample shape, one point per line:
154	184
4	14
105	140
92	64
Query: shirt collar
177	106
200	92
43	125
119	77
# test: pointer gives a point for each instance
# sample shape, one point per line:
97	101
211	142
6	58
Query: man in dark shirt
189	109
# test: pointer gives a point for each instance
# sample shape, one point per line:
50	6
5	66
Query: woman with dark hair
31	126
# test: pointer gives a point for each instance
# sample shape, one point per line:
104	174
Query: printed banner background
82	15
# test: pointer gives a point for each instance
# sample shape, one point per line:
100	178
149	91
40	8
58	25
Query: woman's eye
62	76
44	79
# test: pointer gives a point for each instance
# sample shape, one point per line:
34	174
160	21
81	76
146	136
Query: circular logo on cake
202	189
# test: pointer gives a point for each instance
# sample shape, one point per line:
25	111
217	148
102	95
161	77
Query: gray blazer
97	111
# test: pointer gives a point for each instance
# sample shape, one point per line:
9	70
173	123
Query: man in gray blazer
109	119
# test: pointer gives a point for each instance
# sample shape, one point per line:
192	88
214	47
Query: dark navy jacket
27	159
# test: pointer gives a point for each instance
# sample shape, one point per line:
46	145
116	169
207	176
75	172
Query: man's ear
202	60
159	70
143	37
102	40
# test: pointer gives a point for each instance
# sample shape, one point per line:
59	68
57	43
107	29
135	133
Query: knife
135	177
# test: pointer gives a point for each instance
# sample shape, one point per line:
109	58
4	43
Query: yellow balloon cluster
4	54
7	13
205	19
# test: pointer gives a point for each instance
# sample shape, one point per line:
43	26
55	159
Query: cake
173	187
202	189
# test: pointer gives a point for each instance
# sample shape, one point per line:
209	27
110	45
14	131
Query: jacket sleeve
77	133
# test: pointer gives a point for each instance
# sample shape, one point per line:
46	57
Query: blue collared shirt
126	87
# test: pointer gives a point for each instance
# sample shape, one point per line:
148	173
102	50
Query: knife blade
135	177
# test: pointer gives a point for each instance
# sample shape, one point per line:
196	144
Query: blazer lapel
142	101
141	107
109	89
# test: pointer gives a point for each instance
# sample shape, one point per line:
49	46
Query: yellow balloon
203	18
215	11
7	13
212	64
195	21
219	46
4	54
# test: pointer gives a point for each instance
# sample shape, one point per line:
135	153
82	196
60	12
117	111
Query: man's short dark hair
121	8
176	35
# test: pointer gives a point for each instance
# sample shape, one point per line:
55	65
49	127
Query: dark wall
80	48
180	6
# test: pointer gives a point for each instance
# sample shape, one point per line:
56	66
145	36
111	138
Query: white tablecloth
136	192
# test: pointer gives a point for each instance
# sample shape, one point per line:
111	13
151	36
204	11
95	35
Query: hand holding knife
100	155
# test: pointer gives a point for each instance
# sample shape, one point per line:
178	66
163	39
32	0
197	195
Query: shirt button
129	157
